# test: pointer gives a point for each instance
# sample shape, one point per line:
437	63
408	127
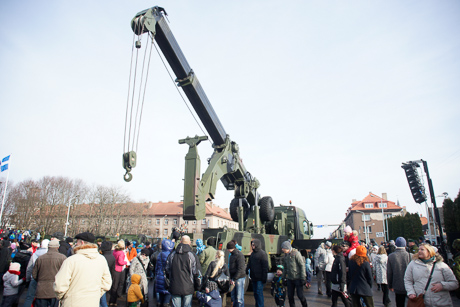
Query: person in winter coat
30	266
134	291
163	297
396	267
22	257
106	250
257	269
83	277
118	278
208	255
278	288
320	265
237	268
352	237
44	273
139	266
294	272
360	278
442	279
199	246
11	282
309	270
380	267
215	269
183	271
339	277
211	297
327	269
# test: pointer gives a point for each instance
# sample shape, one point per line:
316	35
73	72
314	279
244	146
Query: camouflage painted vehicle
257	216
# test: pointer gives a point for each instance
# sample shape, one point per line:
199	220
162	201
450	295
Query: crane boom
153	20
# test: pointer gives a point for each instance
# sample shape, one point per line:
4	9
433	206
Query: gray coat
396	266
416	277
136	268
380	267
320	257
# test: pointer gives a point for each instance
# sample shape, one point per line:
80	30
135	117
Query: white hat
45	243
14	266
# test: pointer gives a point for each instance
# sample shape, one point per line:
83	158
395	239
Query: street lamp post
68	213
365	228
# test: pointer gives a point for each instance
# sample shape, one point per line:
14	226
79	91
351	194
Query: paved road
313	298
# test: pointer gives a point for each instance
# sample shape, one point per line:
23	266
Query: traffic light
415	184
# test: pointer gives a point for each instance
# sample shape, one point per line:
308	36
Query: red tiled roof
375	201
424	220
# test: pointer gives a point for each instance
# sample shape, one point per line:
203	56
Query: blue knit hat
400	242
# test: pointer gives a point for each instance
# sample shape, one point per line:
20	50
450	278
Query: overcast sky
324	98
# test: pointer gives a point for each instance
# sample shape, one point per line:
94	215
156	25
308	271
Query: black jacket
22	257
237	265
64	247
258	263
5	254
360	278
339	271
211	267
106	249
183	271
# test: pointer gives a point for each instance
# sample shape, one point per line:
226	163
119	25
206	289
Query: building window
158	222
389	215
165	232
150	222
130	221
166	221
366	217
382	205
175	221
369	229
203	222
157	231
368	206
194	230
194	222
186	222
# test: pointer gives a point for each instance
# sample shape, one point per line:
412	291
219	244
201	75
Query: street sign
379	235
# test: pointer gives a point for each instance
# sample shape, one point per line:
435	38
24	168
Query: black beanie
231	245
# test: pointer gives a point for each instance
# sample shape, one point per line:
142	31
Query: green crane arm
225	164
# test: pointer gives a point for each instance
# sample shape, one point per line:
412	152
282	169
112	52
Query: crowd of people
414	272
83	271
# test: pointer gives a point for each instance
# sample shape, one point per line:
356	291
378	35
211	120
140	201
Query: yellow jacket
134	291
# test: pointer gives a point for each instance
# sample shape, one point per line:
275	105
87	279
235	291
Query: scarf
428	260
14	272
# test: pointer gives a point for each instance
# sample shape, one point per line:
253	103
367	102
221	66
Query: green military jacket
456	270
206	257
294	266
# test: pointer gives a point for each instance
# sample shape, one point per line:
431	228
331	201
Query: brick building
367	217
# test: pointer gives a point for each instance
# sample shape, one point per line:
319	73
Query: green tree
408	226
451	210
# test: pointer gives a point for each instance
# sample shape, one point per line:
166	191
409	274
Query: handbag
419	301
223	282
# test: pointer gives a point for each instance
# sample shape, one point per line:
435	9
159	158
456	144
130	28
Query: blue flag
4	167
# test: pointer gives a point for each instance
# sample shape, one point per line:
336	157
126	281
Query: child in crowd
11	284
212	296
134	291
278	287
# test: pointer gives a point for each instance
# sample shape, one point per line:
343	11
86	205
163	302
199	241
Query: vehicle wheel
234	208
267	209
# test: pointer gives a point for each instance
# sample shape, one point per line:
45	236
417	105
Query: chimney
353	200
149	205
384	196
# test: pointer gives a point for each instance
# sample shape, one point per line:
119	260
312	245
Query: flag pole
4	194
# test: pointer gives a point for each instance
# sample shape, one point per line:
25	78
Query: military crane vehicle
257	216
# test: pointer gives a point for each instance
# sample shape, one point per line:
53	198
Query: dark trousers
386	294
400	299
258	289
9	300
115	291
46	302
328	283
335	297
356	300
296	285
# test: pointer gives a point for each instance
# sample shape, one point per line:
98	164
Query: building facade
368	217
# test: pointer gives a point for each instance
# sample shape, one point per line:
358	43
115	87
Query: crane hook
128	176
